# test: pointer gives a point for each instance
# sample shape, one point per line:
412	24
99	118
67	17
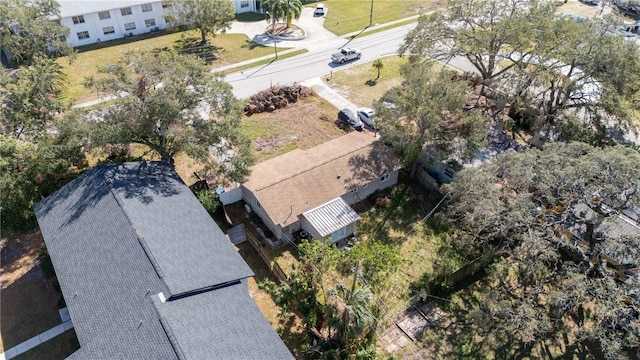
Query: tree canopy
208	16
427	109
31	98
562	78
171	104
31	29
567	265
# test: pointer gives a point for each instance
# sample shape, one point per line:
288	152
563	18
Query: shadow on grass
194	46
126	40
250	44
371	82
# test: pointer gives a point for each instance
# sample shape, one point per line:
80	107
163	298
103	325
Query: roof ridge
347	151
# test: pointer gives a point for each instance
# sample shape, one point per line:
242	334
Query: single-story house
91	21
313	189
146	273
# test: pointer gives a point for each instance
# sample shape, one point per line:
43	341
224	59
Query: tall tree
277	10
565	257
429	111
578	86
31	98
293	10
30	29
482	32
208	16
171	104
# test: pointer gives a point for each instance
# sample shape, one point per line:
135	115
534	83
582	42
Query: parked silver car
366	115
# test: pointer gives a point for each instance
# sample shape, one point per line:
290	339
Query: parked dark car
350	118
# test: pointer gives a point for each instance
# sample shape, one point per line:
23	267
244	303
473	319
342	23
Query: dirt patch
301	125
28	300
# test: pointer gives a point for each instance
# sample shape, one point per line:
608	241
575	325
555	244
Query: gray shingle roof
122	233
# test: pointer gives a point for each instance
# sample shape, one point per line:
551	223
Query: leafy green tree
208	16
171	104
378	65
377	261
31	172
482	32
428	111
29	30
578	86
563	256
31	98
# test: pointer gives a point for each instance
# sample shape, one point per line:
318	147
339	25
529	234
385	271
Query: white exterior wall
250	199
314	234
94	25
251	6
363	192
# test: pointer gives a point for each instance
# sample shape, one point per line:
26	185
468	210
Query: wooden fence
273	266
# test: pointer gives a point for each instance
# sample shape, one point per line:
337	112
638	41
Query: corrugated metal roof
331	216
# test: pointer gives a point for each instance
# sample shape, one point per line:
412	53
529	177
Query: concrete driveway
313	26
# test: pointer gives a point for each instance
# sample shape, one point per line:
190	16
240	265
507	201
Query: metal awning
331	216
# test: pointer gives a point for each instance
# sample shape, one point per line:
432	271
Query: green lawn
228	48
345	16
359	83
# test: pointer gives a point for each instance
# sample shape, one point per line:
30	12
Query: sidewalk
39	339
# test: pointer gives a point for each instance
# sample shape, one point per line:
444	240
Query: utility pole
371	14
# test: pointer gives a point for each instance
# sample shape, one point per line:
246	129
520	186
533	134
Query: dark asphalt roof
122	233
232	306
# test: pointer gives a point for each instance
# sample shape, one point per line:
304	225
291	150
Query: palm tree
378	65
276	12
293	9
352	316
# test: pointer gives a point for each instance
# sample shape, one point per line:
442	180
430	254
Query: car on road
321	9
366	116
346	54
348	117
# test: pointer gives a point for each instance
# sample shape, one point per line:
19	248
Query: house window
244	4
339	234
258	204
448	172
108	30
104	15
146	7
125	11
78	19
384	178
365	186
150	22
353	190
83	35
130	26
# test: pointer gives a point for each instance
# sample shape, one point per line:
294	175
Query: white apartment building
92	21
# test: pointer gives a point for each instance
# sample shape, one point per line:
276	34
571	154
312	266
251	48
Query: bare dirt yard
29	301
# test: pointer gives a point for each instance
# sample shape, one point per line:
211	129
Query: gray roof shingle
122	233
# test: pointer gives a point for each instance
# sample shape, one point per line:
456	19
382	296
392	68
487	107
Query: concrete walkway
39	339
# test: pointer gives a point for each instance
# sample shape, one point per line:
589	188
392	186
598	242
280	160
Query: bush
208	201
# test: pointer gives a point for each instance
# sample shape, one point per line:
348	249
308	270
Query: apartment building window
104	15
244	4
130	26
384	178
147	7
108	30
83	35
78	19
150	22
125	11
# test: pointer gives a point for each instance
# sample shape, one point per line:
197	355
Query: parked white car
366	116
321	9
